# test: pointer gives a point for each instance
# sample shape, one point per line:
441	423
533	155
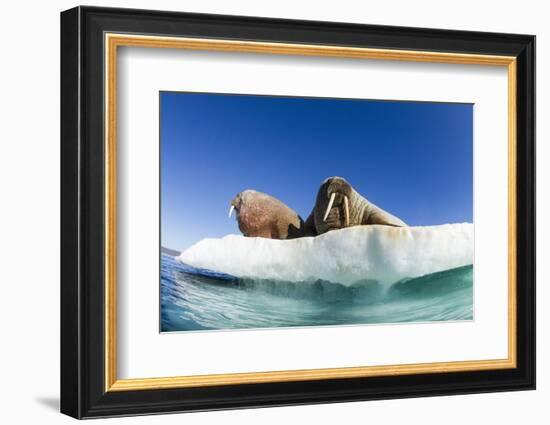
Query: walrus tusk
231	210
329	206
346	210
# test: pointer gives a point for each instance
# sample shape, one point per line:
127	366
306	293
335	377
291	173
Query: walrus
262	215
339	205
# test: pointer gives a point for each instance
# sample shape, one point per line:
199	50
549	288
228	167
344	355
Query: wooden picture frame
90	38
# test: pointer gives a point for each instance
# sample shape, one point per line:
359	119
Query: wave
376	253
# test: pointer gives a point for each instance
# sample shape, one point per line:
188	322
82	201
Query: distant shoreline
169	251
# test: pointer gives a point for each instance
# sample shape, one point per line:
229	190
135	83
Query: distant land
169	251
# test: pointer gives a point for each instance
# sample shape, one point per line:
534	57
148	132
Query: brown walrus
339	205
262	215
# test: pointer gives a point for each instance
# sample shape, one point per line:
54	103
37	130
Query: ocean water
196	299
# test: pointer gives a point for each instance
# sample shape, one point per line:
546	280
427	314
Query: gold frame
113	41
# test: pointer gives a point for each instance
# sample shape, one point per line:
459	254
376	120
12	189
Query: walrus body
262	215
339	205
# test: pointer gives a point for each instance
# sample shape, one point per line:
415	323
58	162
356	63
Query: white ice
382	253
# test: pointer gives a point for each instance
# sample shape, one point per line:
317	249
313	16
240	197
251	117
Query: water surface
196	299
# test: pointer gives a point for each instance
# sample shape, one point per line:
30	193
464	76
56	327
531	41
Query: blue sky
413	159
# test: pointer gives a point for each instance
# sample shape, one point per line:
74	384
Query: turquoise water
195	299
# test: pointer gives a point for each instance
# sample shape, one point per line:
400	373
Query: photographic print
299	211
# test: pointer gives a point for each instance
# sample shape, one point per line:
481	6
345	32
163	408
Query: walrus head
250	211
262	215
332	210
236	204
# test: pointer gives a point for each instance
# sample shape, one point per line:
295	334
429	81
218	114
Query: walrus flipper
307	228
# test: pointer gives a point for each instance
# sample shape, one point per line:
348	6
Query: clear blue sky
413	159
